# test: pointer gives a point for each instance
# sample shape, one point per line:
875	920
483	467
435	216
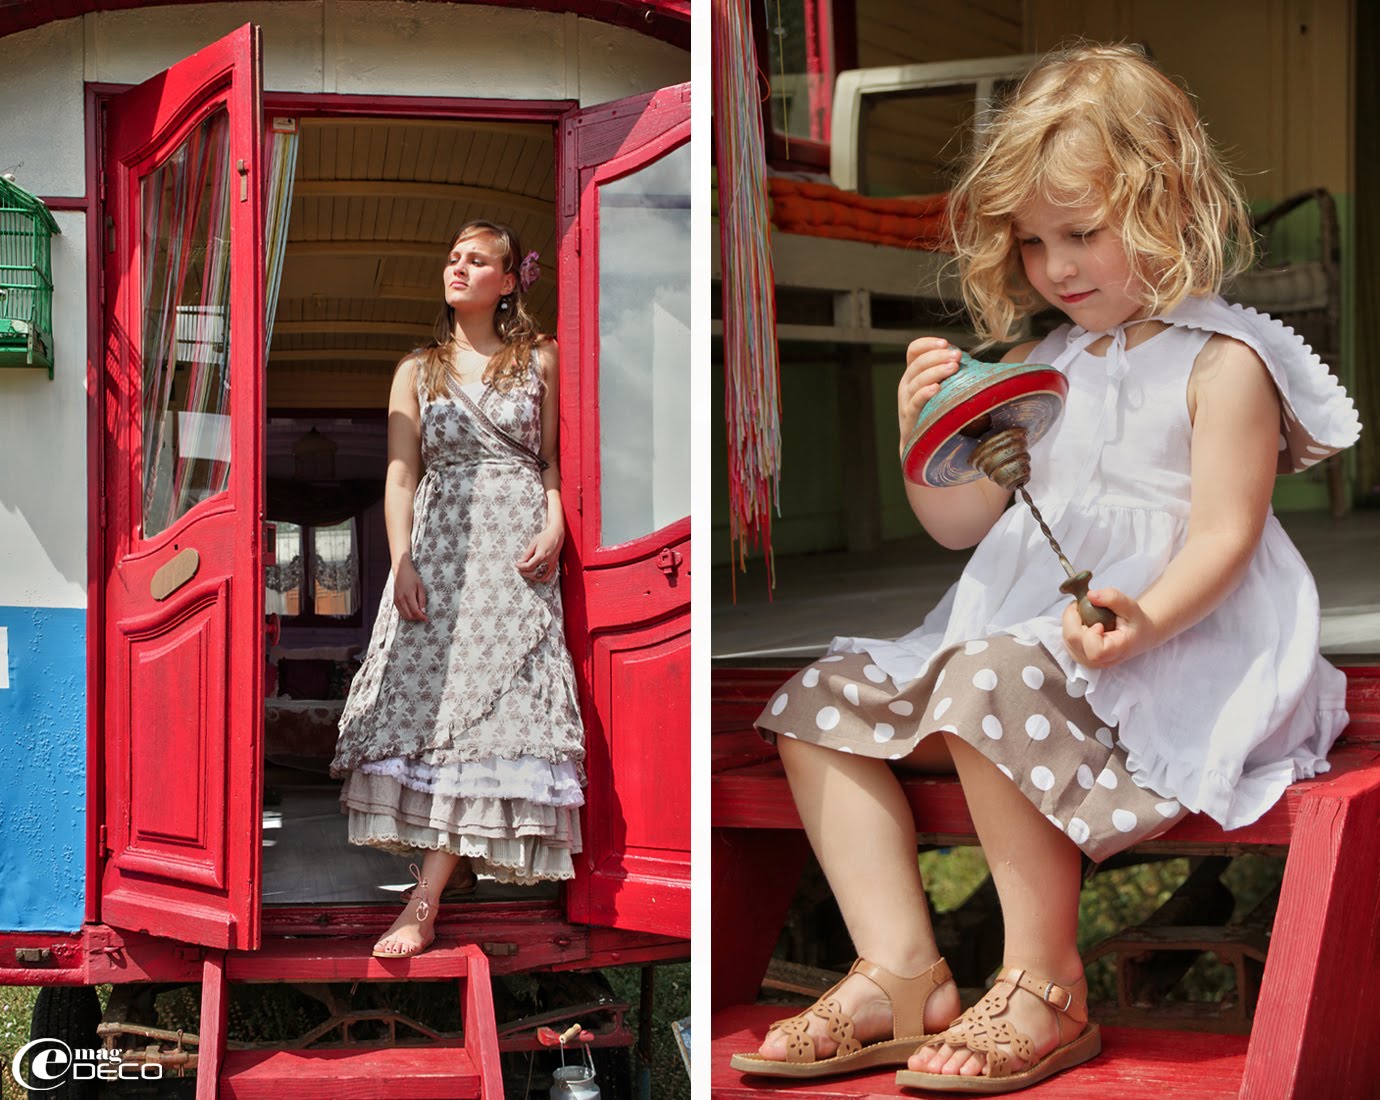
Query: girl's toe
955	1062
921	1060
773	1047
972	1067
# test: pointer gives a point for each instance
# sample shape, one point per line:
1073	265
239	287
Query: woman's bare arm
400	486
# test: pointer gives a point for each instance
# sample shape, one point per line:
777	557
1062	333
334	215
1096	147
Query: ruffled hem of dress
1232	802
513	840
1311	395
529	778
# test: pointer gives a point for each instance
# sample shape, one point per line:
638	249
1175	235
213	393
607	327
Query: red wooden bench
1316	1031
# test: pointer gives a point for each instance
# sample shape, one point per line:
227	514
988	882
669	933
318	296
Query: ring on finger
541	570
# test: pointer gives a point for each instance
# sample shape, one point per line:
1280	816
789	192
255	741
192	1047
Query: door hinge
668	561
100	518
580	499
102	842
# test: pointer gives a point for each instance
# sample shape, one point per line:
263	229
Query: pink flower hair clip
529	271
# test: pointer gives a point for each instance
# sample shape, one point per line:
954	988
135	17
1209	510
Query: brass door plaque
174	573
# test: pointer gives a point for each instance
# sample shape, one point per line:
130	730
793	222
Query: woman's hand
929	360
1092	647
541	560
409	594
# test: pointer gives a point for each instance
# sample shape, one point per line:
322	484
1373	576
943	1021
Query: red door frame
300	104
630	611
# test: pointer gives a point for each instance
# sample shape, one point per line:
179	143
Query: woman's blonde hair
516	327
1097	125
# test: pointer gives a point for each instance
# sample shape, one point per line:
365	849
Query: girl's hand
929	360
1093	647
541	560
409	594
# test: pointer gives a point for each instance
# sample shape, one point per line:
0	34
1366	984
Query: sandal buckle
1068	995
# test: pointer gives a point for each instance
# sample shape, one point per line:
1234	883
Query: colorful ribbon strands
751	367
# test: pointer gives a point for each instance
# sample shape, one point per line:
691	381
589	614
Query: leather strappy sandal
423	915
907	997
979	1031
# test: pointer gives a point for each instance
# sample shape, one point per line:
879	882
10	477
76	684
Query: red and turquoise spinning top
982	422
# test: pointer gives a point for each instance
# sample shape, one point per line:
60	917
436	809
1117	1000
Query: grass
16	1005
1114	900
669	1079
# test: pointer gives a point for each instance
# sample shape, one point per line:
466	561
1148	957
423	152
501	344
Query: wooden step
756	796
418	1073
336	960
750	789
438	1071
1135	1064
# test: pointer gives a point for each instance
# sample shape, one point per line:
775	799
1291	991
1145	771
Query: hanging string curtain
751	366
280	167
186	269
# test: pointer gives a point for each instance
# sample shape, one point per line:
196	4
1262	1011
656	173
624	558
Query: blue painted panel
43	770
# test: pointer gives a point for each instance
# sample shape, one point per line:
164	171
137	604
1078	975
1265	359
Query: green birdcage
26	279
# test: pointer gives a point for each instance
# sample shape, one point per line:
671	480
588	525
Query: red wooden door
182	417
625	391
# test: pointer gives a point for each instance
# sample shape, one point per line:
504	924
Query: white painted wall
43	450
42	129
374	47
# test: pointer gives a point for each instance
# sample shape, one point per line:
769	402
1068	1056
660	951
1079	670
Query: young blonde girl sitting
1095	190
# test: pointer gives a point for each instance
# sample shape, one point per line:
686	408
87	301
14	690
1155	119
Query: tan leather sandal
980	1031
907	996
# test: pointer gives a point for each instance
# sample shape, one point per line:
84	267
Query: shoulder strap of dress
1319	418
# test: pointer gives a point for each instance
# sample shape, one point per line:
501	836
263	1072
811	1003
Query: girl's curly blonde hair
1102	126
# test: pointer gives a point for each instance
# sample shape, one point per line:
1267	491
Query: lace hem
526	778
524	861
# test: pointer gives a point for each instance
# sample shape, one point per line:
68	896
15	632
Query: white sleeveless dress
1228	713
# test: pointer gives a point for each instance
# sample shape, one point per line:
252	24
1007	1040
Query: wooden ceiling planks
375	203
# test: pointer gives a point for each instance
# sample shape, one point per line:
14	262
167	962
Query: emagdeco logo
44	1064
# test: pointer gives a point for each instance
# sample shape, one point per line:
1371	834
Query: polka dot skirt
1006	698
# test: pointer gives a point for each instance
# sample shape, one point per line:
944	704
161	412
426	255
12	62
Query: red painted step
336	960
421	1073
1135	1064
439	1071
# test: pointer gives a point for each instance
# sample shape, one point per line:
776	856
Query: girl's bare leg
1037	872
863	834
407	929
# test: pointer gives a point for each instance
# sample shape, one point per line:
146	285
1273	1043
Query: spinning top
982	422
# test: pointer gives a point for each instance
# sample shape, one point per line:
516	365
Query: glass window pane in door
800	55
185	250
644	348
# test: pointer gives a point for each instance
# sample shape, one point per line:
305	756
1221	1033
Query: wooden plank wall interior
375	203
1287	131
912	140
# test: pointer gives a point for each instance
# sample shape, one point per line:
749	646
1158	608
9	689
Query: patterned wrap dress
463	732
1217	720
